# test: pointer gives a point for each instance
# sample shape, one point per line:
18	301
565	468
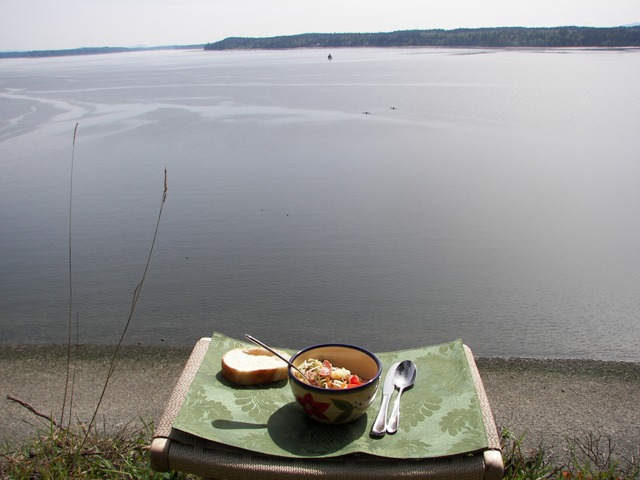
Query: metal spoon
277	354
404	379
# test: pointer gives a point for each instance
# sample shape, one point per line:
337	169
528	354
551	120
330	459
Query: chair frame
172	450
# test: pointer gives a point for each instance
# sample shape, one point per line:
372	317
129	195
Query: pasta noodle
324	375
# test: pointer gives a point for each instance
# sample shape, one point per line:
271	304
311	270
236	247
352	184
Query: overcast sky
59	24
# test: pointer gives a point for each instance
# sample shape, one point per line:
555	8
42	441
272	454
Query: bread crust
253	366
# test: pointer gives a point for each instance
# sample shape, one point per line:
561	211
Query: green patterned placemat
440	414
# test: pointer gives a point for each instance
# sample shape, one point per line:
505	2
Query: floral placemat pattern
440	415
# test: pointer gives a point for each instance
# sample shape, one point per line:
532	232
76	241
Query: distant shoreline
493	37
92	51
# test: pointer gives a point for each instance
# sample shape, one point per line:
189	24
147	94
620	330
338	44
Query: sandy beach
546	401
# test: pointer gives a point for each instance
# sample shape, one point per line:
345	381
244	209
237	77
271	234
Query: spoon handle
380	423
394	420
277	354
266	347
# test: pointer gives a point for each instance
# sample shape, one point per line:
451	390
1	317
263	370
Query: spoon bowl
404	379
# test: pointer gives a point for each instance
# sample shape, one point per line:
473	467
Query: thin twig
33	410
136	295
66	384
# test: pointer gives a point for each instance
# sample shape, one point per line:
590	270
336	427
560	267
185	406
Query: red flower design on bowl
312	407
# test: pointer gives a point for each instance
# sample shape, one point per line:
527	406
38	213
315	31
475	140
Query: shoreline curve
543	401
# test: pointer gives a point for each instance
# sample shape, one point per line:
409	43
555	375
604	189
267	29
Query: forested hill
463	37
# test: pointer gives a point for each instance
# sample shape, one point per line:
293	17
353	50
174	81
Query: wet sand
547	401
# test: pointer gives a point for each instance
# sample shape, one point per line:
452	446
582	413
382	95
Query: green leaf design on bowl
347	410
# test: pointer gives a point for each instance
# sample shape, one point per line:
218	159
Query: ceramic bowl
336	406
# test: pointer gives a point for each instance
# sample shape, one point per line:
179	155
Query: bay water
388	197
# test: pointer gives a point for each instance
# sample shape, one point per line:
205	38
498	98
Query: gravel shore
547	401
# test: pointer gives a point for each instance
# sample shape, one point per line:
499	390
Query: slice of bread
253	366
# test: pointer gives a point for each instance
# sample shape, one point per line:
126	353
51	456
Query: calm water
488	195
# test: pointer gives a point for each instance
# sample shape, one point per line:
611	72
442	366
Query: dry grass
590	458
76	453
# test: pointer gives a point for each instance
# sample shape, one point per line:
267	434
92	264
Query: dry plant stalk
66	383
33	410
136	294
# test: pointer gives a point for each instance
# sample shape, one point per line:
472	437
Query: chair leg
493	465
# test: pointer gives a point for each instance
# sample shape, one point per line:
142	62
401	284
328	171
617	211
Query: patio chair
175	450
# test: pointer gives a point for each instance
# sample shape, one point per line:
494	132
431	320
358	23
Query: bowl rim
337	391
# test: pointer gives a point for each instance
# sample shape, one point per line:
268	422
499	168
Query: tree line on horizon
495	37
500	37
